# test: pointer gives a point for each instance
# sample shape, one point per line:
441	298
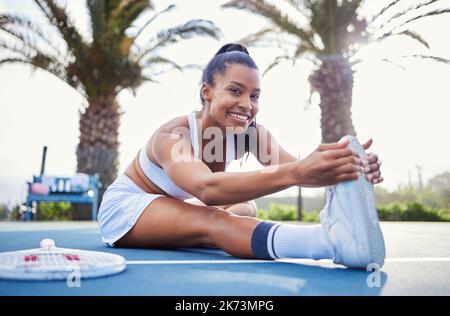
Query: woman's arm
270	147
328	164
235	187
267	146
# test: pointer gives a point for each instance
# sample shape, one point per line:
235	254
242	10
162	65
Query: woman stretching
145	206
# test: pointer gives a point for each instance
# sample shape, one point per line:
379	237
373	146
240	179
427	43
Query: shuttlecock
47	243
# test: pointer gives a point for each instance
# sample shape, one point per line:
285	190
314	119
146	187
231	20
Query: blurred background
92	80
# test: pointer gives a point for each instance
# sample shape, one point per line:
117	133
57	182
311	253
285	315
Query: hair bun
232	47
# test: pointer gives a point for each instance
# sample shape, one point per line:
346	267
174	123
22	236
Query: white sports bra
159	176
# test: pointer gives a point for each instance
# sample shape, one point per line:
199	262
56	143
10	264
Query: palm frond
424	15
383	11
125	45
58	18
276	62
124	15
434	58
181	68
36	59
98	17
301	49
7	60
175	34
261	7
191	28
294	3
412	34
153	60
193	66
45	62
409	10
270	37
169	8
389	61
132	7
103	65
254	38
29	51
300	6
150	79
16	49
26	32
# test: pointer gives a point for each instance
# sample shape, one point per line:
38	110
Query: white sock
299	241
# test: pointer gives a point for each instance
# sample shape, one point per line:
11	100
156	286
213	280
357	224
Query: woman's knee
217	214
244	209
217	219
253	208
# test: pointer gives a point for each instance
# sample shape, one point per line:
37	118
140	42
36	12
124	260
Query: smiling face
233	100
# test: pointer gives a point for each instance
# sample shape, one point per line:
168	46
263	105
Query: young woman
145	206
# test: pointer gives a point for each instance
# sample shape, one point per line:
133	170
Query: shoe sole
361	199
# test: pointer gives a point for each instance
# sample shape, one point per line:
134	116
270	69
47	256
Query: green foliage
53	211
15	213
286	212
311	217
10	214
4	213
412	212
440	184
47	211
430	195
278	212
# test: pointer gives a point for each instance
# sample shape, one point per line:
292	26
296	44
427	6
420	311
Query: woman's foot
351	220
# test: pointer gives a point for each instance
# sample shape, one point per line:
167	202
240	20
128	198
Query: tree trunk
97	151
333	80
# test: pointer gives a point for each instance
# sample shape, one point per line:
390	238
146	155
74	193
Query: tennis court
418	263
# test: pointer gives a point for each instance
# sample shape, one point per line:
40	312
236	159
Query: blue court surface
418	263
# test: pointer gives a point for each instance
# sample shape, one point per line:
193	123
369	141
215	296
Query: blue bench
62	190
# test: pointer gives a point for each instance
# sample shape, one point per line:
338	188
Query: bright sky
405	111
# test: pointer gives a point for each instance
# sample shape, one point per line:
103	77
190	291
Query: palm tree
330	33
99	66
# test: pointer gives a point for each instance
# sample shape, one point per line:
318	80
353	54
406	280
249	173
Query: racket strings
52	263
53	260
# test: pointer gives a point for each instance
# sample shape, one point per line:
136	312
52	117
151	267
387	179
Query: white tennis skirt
122	204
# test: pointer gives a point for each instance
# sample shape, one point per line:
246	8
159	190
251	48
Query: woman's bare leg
243	209
171	223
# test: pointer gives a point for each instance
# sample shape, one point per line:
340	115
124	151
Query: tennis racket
51	263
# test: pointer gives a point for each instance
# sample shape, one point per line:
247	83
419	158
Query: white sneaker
351	220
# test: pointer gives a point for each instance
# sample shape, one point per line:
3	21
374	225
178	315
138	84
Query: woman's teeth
239	117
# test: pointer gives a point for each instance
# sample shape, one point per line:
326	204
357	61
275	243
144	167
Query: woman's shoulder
169	127
174	124
177	125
